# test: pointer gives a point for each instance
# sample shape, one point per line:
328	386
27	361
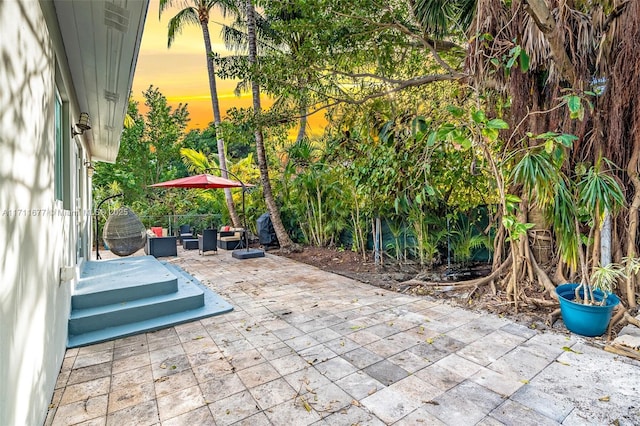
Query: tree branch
546	23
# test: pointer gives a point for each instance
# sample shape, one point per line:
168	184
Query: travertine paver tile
445	343
289	364
81	411
324	335
131	363
89	373
467	403
85	390
258	419
199	344
317	354
389	405
287	333
62	379
67	364
162	339
419	417
350	416
359	385
198	417
416	389
511	412
500	383
180	402
98	347
273	393
335	368
362	357
93	358
363	337
409	361
458	365
490	348
309	378
440	377
519	330
98	421
204	356
127	351
382	330
385	347
230	348
263	338
124	397
275	350
554	408
212	370
386	372
71	353
301	343
246	359
258	374
292	413
222	387
145	414
132	377
159	355
342	345
171	365
489	421
190	331
520	364
170	384
328	399
135	340
234	408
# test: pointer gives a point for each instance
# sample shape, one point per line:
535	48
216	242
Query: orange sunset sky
180	72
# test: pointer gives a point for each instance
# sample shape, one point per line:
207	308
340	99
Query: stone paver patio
307	347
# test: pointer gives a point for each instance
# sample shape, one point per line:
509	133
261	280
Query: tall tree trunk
222	161
302	130
632	171
283	237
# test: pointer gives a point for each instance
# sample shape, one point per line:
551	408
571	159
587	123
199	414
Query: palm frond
195	161
188	16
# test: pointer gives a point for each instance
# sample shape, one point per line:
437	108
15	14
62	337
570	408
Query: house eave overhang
102	41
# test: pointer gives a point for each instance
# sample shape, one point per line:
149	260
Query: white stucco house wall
58	59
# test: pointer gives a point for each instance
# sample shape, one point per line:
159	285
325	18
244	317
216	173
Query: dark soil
393	275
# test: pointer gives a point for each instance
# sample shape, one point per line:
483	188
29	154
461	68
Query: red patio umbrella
204	181
207	181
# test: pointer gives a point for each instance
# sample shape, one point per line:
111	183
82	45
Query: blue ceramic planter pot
586	320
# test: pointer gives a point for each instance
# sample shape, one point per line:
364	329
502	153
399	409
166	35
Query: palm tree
198	14
274	211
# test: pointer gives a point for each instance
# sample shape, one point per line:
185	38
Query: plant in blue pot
587	307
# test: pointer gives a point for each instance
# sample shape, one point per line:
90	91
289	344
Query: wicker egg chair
124	233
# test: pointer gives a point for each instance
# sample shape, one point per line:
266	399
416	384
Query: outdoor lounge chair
231	238
208	241
184	232
161	246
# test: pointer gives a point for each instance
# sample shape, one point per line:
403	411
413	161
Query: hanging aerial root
553	317
621	318
544	279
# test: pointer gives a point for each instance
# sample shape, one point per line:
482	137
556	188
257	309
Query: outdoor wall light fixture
90	168
83	124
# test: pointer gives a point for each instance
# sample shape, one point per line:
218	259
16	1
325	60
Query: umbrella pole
244	211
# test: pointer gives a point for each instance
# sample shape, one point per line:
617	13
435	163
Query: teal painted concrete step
131	315
186	298
122	280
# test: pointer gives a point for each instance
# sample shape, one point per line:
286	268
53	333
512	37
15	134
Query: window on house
59	166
